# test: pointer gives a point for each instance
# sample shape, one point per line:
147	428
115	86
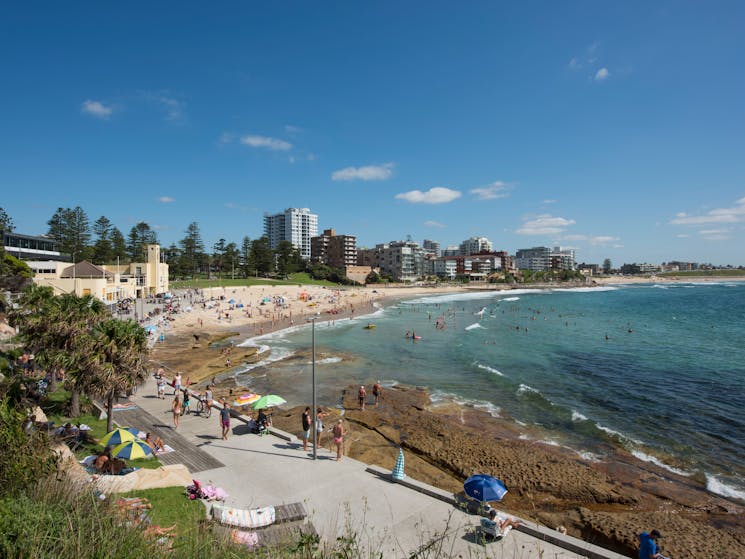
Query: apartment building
296	225
402	260
337	251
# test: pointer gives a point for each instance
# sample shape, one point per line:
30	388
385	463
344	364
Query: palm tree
118	358
57	330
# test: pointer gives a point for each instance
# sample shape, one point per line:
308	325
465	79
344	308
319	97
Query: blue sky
616	128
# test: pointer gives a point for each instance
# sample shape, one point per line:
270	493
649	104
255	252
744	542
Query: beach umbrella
484	488
132	450
245	399
268	401
120	435
231	301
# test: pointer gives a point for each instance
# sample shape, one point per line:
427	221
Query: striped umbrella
132	450
119	436
246	399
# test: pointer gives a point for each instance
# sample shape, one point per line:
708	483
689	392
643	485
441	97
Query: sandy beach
607	503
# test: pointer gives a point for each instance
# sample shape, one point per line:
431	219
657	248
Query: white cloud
290	129
734	214
575	64
493	191
226	138
96	109
545	225
436	224
175	109
602	74
166	199
683	236
550	201
436	195
272	144
365	173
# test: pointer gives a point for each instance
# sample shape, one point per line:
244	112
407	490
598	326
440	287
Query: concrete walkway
388	517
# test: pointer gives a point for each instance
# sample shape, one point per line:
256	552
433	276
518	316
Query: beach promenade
388	517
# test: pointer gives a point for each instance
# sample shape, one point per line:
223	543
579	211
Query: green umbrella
268	401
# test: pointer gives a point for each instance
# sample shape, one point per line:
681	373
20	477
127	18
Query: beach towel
243	518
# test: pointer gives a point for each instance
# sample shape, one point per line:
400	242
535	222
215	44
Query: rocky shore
607	503
604	503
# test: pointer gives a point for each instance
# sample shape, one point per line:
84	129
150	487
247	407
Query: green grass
294	279
172	506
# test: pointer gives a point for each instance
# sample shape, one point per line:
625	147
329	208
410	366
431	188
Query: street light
314	417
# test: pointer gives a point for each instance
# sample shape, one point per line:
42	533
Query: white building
296	225
543	258
474	245
431	247
109	283
402	260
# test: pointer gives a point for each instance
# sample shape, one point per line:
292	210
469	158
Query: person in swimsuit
339	433
176	408
377	391
319	426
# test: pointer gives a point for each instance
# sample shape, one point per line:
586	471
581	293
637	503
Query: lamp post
314	418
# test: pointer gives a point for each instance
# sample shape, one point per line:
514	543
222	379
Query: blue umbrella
484	488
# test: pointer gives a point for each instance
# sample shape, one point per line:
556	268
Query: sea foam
643	456
472	326
716	485
490	369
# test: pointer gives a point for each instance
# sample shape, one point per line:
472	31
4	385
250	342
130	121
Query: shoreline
623	488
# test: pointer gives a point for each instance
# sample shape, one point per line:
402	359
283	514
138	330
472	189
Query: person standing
339	433
176	409
161	382
176	383
319	426
208	399
377	391
306	421
225	420
362	396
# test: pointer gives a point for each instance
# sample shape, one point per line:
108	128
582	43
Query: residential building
536	258
544	258
475	245
27	247
109	283
431	247
630	269
296	225
337	251
451	250
402	260
563	259
476	267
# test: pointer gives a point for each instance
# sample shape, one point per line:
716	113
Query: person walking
377	391
176	409
339	433
225	420
306	421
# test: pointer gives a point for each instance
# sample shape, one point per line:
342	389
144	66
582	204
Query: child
185	407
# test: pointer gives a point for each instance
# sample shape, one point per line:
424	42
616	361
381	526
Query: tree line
101	242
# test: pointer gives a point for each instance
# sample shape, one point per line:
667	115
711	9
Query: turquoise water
658	370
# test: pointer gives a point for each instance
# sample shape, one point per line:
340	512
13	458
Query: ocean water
656	369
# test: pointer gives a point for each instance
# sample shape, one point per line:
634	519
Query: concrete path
344	496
